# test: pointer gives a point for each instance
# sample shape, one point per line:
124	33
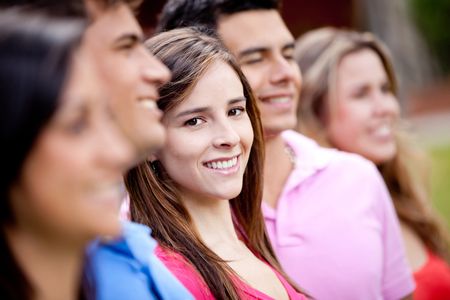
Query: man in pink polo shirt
328	213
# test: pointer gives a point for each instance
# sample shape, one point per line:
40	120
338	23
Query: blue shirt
127	268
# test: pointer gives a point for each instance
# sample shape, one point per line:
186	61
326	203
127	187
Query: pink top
433	279
193	281
335	230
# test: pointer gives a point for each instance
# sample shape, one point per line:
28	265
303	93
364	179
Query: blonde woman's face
363	113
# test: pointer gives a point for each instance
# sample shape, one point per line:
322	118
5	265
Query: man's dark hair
183	13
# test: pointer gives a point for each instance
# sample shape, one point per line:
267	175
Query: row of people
70	129
205	178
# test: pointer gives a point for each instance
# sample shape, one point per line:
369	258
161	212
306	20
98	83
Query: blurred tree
433	19
391	21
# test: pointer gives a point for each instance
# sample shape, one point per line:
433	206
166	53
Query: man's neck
277	168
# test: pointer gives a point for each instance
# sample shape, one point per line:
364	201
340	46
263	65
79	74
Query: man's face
264	49
131	75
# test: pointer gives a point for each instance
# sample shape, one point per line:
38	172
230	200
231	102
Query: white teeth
148	103
383	131
279	100
222	164
109	191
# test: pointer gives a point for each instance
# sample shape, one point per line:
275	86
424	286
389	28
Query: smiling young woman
201	194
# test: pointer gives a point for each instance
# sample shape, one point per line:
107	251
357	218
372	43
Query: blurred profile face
132	75
264	48
71	186
209	137
362	116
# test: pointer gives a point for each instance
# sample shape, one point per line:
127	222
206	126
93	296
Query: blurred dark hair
184	13
66	8
55	8
35	59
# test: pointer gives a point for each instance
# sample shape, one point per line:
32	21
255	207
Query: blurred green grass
440	180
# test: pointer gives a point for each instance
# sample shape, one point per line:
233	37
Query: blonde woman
349	102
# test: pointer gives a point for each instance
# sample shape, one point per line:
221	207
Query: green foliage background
440	180
433	19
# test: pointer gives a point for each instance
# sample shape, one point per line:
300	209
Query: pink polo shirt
335	230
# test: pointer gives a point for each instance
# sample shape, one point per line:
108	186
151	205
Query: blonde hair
318	54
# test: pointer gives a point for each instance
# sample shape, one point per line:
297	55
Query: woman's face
70	186
362	117
209	137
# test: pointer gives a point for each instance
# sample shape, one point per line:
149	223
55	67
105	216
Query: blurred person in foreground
328	214
349	102
132	75
63	158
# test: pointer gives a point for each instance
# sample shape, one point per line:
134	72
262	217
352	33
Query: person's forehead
254	28
116	19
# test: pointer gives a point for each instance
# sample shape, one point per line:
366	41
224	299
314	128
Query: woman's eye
236	111
361	92
77	126
193	122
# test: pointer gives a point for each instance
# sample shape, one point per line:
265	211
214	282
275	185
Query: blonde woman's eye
361	92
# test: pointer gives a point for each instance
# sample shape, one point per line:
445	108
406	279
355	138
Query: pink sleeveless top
192	280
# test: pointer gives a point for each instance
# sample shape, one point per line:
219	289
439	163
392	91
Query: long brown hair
318	54
154	198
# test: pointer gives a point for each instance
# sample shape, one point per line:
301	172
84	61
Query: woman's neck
214	222
52	268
